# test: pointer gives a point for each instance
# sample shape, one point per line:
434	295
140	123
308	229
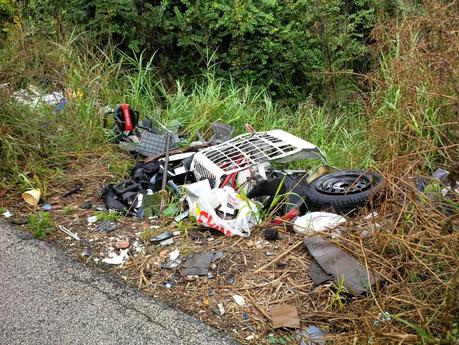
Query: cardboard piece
285	315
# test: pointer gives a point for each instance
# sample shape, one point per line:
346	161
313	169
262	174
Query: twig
284	254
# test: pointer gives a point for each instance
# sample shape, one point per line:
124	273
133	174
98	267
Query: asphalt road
47	297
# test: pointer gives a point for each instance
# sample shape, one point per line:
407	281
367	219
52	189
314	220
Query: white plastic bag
317	222
204	203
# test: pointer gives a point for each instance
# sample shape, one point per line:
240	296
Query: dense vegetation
294	48
373	84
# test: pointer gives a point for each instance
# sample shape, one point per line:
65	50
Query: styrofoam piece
317	222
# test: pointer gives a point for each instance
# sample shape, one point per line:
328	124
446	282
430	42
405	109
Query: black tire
343	191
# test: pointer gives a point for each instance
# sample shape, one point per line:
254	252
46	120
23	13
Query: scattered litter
250	337
312	336
316	222
92	219
317	274
383	317
47	207
106	226
72	191
217	256
240	301
161	237
339	264
32	197
197	264
217	208
86	252
68	232
114	259
7	214
174	255
221	309
167	242
85	206
32	97
285	315
182	216
122	244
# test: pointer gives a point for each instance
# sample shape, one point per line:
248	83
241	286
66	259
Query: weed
68	210
2	210
41	224
107	216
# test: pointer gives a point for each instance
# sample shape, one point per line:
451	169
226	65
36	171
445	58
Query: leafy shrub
293	48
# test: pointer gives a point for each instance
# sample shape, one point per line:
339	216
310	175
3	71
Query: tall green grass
40	141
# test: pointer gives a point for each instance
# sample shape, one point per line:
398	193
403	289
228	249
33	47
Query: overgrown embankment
403	122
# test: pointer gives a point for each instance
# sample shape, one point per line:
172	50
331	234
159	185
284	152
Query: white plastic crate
249	151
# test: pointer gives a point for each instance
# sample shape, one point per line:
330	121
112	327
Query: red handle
127	117
294	212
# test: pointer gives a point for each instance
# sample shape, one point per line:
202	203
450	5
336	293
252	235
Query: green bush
293	48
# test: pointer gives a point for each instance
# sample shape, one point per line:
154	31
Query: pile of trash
231	184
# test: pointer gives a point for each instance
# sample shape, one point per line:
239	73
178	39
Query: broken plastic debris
197	264
317	221
7	214
114	259
174	255
106	226
221	309
167	242
240	301
86	205
182	216
161	237
285	315
312	336
47	207
383	317
342	266
92	219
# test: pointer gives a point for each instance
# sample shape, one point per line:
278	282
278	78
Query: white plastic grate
250	150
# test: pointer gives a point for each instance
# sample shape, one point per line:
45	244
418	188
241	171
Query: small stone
123	244
268	253
271	234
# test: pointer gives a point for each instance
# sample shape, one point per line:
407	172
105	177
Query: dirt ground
265	273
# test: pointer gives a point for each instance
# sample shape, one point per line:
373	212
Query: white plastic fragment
317	221
117	259
240	301
92	219
221	308
167	242
174	255
7	214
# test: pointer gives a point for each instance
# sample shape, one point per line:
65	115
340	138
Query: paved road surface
47	297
